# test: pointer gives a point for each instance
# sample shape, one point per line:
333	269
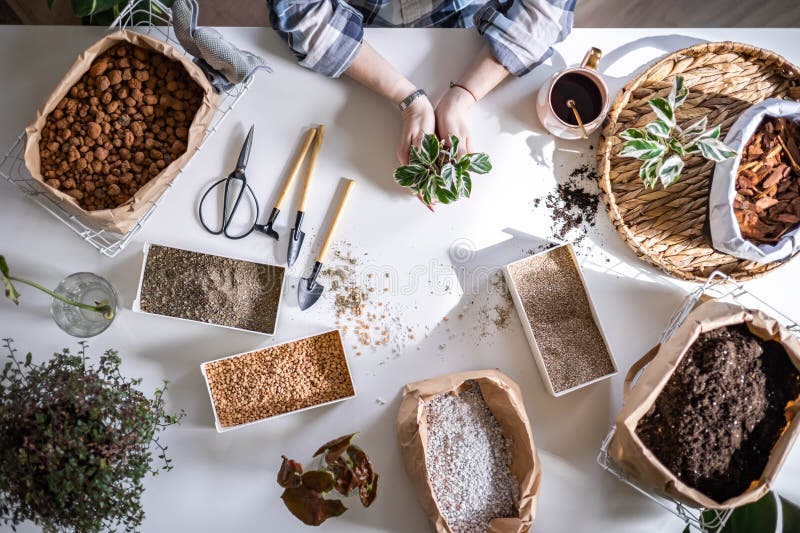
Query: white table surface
225	482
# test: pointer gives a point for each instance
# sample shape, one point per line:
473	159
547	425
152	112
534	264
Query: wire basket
722	287
152	18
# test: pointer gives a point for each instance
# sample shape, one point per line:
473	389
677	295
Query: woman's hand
418	119
451	117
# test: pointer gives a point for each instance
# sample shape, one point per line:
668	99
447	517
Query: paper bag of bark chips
715	412
754	207
468	450
125	119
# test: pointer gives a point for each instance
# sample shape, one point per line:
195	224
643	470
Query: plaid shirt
325	35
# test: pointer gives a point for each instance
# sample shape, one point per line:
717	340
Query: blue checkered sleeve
521	33
325	35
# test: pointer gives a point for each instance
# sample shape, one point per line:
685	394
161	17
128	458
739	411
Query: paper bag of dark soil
503	398
643	415
119	219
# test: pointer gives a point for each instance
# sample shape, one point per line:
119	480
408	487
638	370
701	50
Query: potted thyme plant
78	439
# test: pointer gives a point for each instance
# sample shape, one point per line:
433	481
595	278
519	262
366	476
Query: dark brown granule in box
558	310
721	412
279	379
212	289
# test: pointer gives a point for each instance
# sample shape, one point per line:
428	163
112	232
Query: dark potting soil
715	422
210	288
573	205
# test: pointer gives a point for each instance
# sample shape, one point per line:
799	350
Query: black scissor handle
227	214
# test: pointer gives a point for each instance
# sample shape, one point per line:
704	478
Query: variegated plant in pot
662	145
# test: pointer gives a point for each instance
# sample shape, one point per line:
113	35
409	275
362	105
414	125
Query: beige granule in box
558	309
279	379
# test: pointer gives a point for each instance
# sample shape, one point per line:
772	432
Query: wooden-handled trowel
309	290
297	235
301	155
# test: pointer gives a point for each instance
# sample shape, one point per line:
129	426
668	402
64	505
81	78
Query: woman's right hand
418	119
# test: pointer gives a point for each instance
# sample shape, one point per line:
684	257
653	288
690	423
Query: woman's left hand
451	117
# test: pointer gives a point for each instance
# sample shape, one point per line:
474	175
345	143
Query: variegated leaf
670	170
695	128
658	128
632	134
663	110
714	150
676	146
643	149
678	93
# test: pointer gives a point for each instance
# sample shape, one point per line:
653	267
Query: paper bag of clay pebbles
118	129
468	449
714	414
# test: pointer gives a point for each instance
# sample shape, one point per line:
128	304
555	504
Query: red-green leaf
362	467
367	493
309	506
345	480
334	448
289	473
318	480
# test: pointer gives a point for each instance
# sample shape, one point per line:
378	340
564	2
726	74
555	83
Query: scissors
237	175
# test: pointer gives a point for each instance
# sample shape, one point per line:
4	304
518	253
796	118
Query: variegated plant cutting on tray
662	145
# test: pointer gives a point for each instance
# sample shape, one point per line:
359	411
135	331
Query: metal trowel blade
308	292
295	242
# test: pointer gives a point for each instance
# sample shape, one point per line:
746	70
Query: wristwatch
410	98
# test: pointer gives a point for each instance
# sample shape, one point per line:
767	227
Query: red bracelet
454	84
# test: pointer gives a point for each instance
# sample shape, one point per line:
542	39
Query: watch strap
408	100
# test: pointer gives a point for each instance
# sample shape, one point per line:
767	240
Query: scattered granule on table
279	379
212	289
493	309
559	313
468	462
359	299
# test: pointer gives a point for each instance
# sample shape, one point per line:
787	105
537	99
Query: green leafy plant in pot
436	174
77	441
344	468
662	145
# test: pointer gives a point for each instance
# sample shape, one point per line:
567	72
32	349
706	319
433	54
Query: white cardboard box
137	302
221	429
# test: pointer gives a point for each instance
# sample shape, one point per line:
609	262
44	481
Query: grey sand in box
212	289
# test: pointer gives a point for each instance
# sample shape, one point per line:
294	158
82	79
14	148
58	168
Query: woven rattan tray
665	227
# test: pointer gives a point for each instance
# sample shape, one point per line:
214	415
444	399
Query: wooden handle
329	237
312	164
298	160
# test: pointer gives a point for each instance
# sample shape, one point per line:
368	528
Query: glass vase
86	288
